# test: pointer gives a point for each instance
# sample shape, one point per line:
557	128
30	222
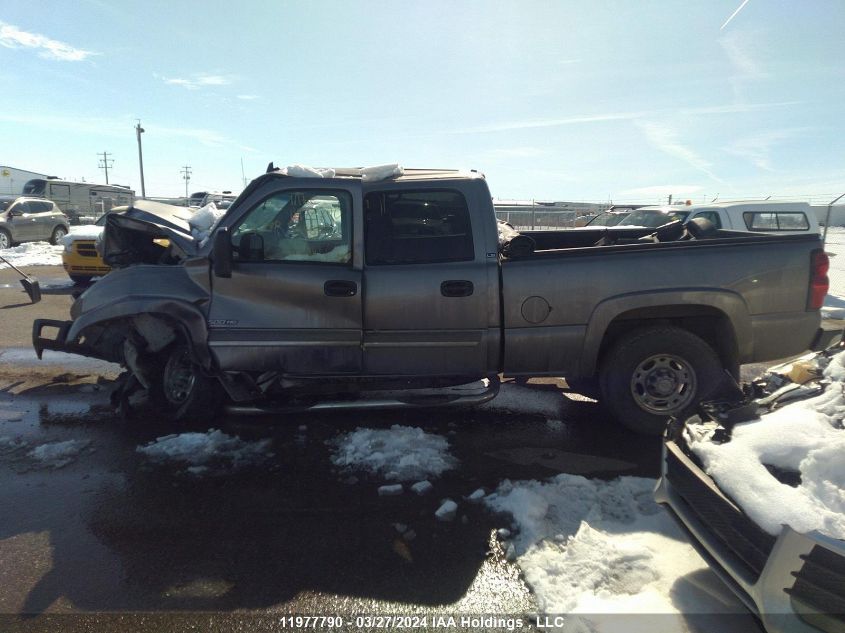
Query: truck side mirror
222	253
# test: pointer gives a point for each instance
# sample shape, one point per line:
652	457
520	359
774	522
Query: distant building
12	179
536	214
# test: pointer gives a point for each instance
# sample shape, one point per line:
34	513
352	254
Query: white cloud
662	191
666	140
198	81
517	152
13	37
757	148
543	123
738	108
115	127
247	97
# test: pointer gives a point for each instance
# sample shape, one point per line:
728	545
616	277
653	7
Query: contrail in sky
733	15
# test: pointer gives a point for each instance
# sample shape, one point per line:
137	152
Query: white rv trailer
80	200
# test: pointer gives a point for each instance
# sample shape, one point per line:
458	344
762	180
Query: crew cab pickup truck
409	288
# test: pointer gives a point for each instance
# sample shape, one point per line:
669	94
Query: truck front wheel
183	389
656	373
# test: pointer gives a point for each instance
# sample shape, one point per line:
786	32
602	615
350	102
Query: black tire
58	233
182	389
655	373
6	239
81	279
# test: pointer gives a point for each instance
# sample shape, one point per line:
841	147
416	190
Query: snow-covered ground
212	452
605	547
397	454
40	253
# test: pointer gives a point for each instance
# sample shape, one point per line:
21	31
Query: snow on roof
400	453
806	437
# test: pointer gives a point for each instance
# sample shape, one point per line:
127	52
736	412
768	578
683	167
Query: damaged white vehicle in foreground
763	497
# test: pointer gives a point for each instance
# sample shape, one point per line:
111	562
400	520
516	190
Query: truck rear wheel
183	389
656	373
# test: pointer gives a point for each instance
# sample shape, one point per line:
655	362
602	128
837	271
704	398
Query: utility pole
186	176
105	163
138	131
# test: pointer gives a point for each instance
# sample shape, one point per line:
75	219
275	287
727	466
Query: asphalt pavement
112	542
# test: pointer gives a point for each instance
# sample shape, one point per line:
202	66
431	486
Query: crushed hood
137	235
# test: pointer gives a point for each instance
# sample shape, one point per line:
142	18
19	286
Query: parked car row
754	216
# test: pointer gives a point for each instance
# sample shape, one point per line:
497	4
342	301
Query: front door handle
456	288
340	288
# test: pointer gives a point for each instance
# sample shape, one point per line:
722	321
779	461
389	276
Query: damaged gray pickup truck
317	292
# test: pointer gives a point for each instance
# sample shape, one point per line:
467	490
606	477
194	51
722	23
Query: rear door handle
456	288
340	288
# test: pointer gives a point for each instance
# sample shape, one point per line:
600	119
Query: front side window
415	227
776	221
301	225
713	216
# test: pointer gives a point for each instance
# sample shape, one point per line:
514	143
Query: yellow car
80	257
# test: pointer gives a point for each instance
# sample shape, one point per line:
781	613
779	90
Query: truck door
293	302
426	285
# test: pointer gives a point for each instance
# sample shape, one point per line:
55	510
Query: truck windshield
607	219
653	218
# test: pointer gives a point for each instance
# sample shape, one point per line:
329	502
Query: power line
186	176
106	163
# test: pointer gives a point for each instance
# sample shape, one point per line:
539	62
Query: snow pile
203	221
204	452
58	454
400	453
33	254
519	399
602	547
805	437
41	253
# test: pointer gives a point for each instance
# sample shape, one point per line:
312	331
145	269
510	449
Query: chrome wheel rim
58	234
179	377
4	241
663	384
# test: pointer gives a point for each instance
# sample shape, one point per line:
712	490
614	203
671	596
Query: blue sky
577	100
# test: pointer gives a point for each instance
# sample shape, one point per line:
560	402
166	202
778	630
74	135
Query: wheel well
710	324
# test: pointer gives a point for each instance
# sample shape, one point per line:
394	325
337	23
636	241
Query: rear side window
40	207
417	227
776	221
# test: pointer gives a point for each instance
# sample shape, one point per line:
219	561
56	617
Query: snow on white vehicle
761	496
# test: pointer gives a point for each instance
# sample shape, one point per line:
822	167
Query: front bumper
794	582
59	343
